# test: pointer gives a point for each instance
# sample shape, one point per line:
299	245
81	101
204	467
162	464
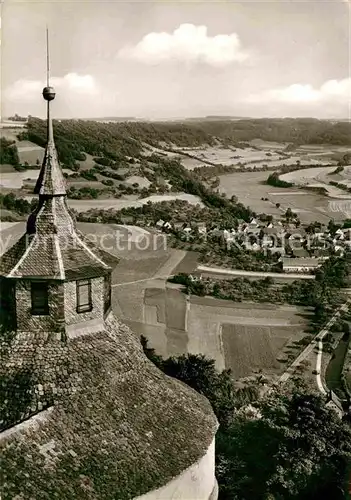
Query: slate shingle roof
118	426
52	247
50	181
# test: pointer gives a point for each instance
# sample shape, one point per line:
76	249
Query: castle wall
97	295
54	321
198	482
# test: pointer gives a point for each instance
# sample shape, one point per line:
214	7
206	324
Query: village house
300	265
160	223
201	227
301	253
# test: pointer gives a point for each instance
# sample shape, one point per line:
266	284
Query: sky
178	59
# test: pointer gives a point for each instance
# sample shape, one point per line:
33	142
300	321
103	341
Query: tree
289	447
200	373
284	445
8	152
289	214
332	227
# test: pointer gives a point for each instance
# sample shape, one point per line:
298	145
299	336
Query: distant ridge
112	119
216	117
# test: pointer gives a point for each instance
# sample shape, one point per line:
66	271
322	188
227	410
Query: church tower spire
59	280
51	181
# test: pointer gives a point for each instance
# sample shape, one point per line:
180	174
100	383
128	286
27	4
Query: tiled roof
52	257
52	248
118	426
50	181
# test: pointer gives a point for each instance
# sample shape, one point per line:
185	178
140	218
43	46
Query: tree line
116	140
283	444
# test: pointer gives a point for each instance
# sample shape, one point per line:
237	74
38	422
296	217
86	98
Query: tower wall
54	321
198	482
72	317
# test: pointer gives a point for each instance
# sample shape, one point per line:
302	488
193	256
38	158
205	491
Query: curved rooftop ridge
119	426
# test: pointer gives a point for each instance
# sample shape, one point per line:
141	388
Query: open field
114	203
27	151
188	264
88	163
250	188
221	155
306	161
141	181
304	149
10	133
242	336
262	153
6	168
258	346
30	152
80	183
10	232
117	204
320	177
15	180
268	145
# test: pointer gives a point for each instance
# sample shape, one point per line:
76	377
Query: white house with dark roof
300	265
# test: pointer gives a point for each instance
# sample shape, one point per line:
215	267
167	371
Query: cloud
338	91
72	82
188	43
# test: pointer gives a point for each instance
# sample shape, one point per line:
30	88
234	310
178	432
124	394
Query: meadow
244	337
224	155
321	177
251	189
257	155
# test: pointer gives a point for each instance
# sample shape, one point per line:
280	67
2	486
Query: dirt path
258	274
319	340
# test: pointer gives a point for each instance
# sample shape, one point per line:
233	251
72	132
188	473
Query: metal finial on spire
48	92
47	58
50	181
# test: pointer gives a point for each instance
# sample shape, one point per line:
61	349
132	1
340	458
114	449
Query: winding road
318	339
255	274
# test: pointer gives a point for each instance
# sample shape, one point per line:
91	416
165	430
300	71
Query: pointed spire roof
50	181
52	248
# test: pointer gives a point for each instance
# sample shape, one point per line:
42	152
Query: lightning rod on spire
47	58
48	92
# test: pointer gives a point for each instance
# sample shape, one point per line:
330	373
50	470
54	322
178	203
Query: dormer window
40	298
84	301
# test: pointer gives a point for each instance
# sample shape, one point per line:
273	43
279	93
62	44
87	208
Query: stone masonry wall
54	321
97	295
